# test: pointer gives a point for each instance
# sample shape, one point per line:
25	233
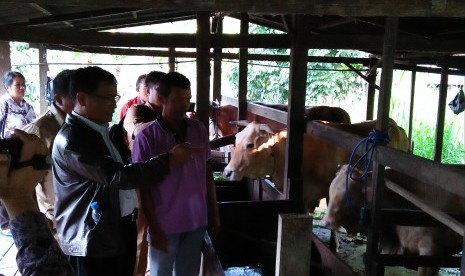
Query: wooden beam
203	66
243	69
451	8
43	69
462	262
448	220
172	59
211	265
5	60
441	114
418	261
356	42
296	109
371	92
356	71
446	177
412	105
373	267
217	61
267	112
230	101
293	252
62	18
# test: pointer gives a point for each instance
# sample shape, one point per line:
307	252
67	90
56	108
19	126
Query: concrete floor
8	257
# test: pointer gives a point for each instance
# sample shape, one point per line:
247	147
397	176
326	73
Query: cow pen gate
398	161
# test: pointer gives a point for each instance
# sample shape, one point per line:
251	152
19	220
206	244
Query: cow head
253	154
221	116
339	213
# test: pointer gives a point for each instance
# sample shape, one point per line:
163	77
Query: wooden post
295	114
5	60
441	111
203	66
462	265
373	267
217	64
172	59
243	70
412	103
371	92
43	68
293	250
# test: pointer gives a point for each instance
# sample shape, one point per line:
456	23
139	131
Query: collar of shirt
10	100
58	114
179	137
103	130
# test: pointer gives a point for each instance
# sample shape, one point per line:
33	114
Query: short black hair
88	80
140	79
170	80
9	77
153	78
61	83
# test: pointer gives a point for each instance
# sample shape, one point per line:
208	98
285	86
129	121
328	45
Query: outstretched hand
182	153
16	186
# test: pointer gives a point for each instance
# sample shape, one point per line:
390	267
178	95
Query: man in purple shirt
181	206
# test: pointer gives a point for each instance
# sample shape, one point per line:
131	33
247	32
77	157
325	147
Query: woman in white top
15	112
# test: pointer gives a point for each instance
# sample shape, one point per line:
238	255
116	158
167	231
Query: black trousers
122	265
128	259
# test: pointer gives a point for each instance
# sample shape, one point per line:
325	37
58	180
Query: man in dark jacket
87	168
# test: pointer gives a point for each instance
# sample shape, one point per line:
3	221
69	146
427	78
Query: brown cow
221	116
260	152
396	239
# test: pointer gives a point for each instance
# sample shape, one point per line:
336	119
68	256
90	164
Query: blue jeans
184	255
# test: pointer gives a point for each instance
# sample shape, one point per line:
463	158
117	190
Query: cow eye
250	146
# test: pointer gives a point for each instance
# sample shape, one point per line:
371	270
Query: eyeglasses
115	98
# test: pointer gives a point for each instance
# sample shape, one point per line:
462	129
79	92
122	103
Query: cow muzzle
231	175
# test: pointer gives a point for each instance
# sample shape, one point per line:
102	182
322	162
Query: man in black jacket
87	168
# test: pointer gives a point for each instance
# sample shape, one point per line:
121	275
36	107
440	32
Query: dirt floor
351	251
352	248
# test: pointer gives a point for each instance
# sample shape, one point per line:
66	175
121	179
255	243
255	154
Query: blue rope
374	138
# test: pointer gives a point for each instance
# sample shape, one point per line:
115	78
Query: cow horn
242	123
266	128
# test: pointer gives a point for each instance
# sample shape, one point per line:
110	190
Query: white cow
409	240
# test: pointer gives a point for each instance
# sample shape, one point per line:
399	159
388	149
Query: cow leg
333	240
428	271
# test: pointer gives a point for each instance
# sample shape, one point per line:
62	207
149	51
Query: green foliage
21	57
268	81
332	80
423	135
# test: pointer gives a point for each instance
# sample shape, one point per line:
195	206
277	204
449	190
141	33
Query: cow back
327	113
